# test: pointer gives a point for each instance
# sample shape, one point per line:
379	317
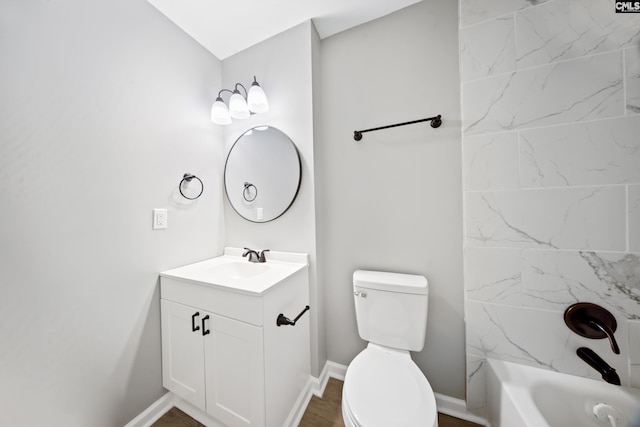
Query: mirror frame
286	205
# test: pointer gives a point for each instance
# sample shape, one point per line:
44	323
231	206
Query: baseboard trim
170	400
330	370
315	386
336	370
196	413
153	412
297	412
457	408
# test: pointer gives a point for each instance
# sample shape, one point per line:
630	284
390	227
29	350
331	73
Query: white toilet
383	387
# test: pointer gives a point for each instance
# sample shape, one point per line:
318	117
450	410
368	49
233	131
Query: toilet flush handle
360	294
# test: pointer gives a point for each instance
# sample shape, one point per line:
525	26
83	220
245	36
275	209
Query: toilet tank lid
391	282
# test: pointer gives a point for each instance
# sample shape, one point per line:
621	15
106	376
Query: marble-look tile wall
551	118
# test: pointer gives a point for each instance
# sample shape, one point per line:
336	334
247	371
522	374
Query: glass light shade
257	99
238	106
220	113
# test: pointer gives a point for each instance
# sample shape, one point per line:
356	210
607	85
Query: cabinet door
235	372
183	351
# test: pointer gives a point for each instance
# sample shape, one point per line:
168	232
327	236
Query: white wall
393	200
104	106
550	97
283	66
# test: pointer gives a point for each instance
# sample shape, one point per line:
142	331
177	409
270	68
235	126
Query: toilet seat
383	387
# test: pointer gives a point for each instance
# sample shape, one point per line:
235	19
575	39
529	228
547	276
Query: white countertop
236	274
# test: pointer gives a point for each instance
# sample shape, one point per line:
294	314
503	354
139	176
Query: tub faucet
608	373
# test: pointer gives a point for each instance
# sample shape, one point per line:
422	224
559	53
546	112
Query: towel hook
284	320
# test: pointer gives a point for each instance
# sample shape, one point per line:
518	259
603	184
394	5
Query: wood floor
325	412
176	418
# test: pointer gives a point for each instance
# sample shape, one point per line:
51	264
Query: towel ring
250	192
189	177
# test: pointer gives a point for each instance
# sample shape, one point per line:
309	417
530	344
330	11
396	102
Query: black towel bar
436	121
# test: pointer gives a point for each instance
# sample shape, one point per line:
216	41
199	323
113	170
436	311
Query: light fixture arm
243	88
235	90
224	90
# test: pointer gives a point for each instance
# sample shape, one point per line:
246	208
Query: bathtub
522	396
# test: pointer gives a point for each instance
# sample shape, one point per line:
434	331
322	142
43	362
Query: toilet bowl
383	387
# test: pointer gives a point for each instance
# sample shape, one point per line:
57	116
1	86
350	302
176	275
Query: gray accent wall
103	107
283	65
393	201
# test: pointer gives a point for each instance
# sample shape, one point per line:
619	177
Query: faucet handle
261	257
608	332
592	321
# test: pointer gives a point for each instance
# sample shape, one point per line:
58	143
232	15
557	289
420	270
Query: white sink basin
238	270
235	273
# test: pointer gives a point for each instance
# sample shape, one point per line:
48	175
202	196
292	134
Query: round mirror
262	174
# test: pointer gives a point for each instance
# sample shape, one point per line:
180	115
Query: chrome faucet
608	373
254	256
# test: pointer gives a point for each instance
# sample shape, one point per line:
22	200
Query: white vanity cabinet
219	367
221	348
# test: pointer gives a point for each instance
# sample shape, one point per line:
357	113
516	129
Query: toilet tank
391	308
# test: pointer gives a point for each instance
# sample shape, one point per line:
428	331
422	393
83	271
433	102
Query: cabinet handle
194	327
205	331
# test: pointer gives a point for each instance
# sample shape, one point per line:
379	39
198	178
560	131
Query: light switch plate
159	219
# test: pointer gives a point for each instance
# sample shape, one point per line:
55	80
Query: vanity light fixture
240	107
